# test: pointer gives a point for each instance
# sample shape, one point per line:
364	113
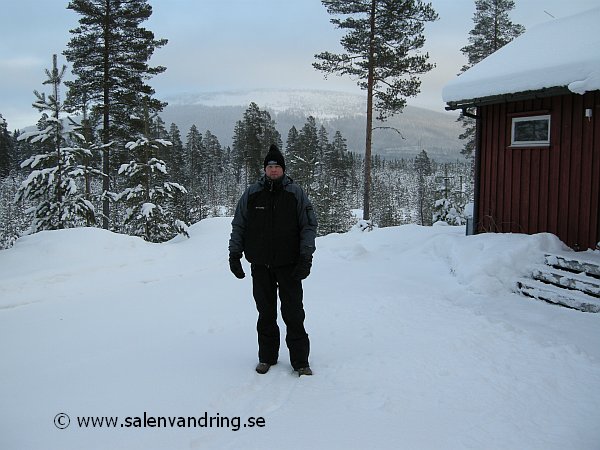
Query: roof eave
506	98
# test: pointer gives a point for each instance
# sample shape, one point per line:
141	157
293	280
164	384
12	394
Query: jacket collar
271	185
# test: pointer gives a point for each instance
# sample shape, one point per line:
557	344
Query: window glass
530	131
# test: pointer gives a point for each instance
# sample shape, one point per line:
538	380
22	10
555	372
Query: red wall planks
552	189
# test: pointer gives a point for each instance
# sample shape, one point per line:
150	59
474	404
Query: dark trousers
266	281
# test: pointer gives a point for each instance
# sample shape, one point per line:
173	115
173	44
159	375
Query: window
532	131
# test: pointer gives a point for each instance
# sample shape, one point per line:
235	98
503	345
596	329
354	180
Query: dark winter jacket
274	223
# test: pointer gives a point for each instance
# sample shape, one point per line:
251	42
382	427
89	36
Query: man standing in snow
275	227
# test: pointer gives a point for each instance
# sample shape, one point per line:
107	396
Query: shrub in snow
446	211
364	225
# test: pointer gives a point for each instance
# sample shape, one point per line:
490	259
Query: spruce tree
52	186
109	52
493	30
158	128
449	203
336	161
232	190
20	152
175	159
386	214
88	137
291	145
252	137
6	148
149	193
321	168
422	169
304	158
383	52
193	159
13	219
323	148
211	170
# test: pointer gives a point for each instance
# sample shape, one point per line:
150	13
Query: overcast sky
217	45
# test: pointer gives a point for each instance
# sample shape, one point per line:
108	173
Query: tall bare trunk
106	119
57	141
369	130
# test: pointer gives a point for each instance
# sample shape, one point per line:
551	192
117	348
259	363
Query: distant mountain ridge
435	132
319	104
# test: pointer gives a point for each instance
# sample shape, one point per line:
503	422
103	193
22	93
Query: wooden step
551	293
570	280
588	262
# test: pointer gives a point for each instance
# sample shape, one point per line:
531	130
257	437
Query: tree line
102	156
191	177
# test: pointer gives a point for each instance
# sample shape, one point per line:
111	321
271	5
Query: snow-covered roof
559	53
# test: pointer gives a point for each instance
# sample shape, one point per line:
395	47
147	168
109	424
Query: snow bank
485	263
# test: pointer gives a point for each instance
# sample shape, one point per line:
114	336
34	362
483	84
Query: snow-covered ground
417	340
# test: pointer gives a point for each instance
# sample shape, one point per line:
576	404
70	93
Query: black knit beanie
274	156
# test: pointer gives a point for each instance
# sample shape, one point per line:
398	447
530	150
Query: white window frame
540	143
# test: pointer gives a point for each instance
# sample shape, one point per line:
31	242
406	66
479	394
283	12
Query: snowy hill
319	104
418	342
437	132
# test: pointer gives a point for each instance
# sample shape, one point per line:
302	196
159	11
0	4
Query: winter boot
263	368
304	371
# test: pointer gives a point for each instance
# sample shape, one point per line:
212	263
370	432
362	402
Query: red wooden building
538	132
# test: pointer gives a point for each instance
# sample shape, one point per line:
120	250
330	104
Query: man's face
274	171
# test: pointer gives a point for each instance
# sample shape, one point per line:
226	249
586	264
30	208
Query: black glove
235	265
302	269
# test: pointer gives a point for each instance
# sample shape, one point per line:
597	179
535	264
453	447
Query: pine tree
109	52
493	30
149	193
383	52
52	185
